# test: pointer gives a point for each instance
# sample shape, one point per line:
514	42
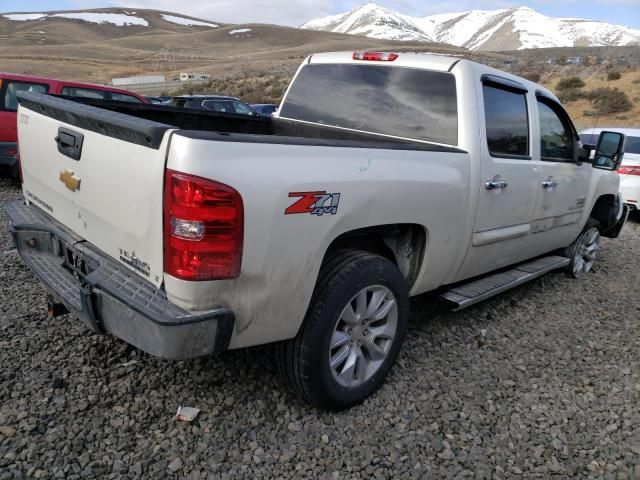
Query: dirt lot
542	381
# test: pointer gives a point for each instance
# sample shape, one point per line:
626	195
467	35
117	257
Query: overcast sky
295	12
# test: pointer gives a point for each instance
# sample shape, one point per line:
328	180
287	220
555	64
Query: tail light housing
203	228
375	56
628	170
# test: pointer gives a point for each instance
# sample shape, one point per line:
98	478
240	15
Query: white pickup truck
383	176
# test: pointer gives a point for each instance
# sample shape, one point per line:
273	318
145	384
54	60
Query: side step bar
476	291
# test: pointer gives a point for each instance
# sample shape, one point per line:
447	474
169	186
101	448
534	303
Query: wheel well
604	211
403	244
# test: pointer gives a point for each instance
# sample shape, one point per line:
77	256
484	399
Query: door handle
549	183
495	184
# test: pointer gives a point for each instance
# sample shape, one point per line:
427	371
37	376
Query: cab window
121	97
225	106
243	109
83	93
507	122
11	89
557	143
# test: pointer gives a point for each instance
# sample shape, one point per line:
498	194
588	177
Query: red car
10	84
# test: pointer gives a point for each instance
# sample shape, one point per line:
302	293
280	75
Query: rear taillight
626	170
203	228
375	56
12	151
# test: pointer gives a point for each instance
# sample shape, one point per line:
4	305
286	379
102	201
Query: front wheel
584	252
352	333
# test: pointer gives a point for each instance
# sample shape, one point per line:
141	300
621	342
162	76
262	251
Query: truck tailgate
99	173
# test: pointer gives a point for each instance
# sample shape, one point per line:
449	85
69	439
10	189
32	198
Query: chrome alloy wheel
363	336
585	252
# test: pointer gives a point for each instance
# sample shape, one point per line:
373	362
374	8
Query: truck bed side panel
282	253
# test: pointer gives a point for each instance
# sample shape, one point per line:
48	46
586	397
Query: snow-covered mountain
505	29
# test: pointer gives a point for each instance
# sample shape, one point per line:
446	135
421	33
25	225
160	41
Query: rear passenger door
562	184
507	190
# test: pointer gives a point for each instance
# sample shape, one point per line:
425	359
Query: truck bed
123	121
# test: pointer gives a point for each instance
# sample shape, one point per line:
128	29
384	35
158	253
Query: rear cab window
10	88
402	102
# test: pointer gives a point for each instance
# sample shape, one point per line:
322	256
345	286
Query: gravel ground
542	381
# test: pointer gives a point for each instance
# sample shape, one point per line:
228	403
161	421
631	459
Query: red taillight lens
626	170
12	152
375	56
203	228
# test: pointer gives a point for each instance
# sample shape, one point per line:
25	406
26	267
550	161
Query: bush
613	75
610	100
531	76
570	82
571	95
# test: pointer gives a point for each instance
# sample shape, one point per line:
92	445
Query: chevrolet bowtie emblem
70	180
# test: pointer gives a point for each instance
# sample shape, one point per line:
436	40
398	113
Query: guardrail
158	87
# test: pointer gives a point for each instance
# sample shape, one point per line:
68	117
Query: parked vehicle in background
630	168
190	77
266	109
11	84
159	100
382	176
213	103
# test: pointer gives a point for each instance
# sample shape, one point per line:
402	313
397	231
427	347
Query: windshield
632	145
397	101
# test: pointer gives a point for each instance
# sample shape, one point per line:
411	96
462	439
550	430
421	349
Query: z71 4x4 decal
315	203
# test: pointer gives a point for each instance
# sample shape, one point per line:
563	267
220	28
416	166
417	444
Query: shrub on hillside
532	76
613	76
571	95
570	82
610	100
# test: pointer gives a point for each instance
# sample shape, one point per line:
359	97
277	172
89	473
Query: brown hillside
257	65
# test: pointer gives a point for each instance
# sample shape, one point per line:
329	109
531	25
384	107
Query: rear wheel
352	333
584	251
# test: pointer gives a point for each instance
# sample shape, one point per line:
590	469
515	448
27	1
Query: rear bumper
108	297
7	160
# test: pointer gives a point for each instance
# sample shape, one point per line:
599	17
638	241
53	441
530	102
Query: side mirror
609	151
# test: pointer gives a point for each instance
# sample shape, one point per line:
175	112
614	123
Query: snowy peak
505	29
110	17
370	20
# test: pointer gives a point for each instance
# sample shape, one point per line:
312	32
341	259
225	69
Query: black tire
304	360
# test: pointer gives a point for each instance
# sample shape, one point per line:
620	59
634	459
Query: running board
471	293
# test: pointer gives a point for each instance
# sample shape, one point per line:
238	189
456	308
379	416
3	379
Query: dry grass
581	110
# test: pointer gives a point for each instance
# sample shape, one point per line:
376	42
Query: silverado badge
70	180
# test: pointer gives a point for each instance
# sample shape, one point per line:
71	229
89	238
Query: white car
630	168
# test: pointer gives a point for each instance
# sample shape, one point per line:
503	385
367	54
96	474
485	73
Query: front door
507	182
562	184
